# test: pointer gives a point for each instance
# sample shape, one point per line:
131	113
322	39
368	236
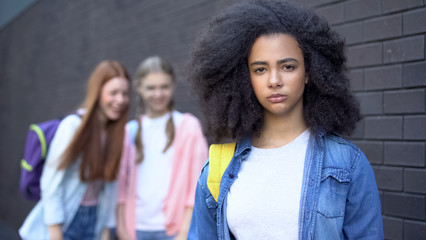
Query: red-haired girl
78	180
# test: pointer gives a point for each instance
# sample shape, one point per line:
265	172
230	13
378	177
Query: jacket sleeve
51	179
203	223
363	219
199	154
110	198
124	171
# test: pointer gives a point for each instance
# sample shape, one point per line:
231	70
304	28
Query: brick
372	149
352	32
404	154
415	180
357	79
414	230
359	130
383	27
415	127
383	127
322	2
364	55
361	9
371	102
392	228
397	5
381	195
406	49
333	13
404	101
414	74
414	21
383	77
389	178
404	205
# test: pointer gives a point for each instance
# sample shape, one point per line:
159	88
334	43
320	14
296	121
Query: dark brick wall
48	52
386	57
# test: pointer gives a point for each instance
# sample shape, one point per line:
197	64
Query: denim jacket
339	198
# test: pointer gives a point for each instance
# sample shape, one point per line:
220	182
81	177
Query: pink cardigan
190	152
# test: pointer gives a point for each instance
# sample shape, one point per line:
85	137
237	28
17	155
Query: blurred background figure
161	162
78	188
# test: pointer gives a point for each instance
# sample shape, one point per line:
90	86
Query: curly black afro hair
220	76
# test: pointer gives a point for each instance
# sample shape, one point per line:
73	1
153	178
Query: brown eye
260	70
165	87
289	67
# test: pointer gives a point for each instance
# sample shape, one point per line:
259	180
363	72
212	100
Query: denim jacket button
231	175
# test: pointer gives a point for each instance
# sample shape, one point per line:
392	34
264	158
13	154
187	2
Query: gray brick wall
386	57
47	53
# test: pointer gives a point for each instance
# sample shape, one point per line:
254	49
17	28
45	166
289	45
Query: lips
277	98
116	110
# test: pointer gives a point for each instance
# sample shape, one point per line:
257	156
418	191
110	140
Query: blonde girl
166	150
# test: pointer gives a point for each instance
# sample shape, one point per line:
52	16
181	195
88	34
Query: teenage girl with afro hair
272	77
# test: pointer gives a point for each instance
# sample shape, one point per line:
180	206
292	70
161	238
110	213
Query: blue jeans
153	235
82	226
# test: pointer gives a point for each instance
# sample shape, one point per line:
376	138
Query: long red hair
99	161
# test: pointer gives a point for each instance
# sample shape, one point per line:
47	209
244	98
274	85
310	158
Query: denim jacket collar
242	146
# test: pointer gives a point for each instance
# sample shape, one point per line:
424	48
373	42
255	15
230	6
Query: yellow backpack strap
220	156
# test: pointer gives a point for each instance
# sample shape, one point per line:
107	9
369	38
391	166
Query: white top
264	200
154	173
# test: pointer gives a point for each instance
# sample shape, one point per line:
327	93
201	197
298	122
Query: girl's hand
122	232
105	234
181	236
55	232
124	236
186	221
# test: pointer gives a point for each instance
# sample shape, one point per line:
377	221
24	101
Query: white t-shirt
154	173
264	200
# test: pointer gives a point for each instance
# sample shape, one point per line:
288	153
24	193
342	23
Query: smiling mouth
116	110
277	98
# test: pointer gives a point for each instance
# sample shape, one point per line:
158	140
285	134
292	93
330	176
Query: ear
139	89
306	79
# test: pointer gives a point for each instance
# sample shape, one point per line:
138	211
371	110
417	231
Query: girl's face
114	98
277	72
156	90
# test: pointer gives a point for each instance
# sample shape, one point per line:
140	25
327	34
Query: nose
121	98
275	80
158	93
